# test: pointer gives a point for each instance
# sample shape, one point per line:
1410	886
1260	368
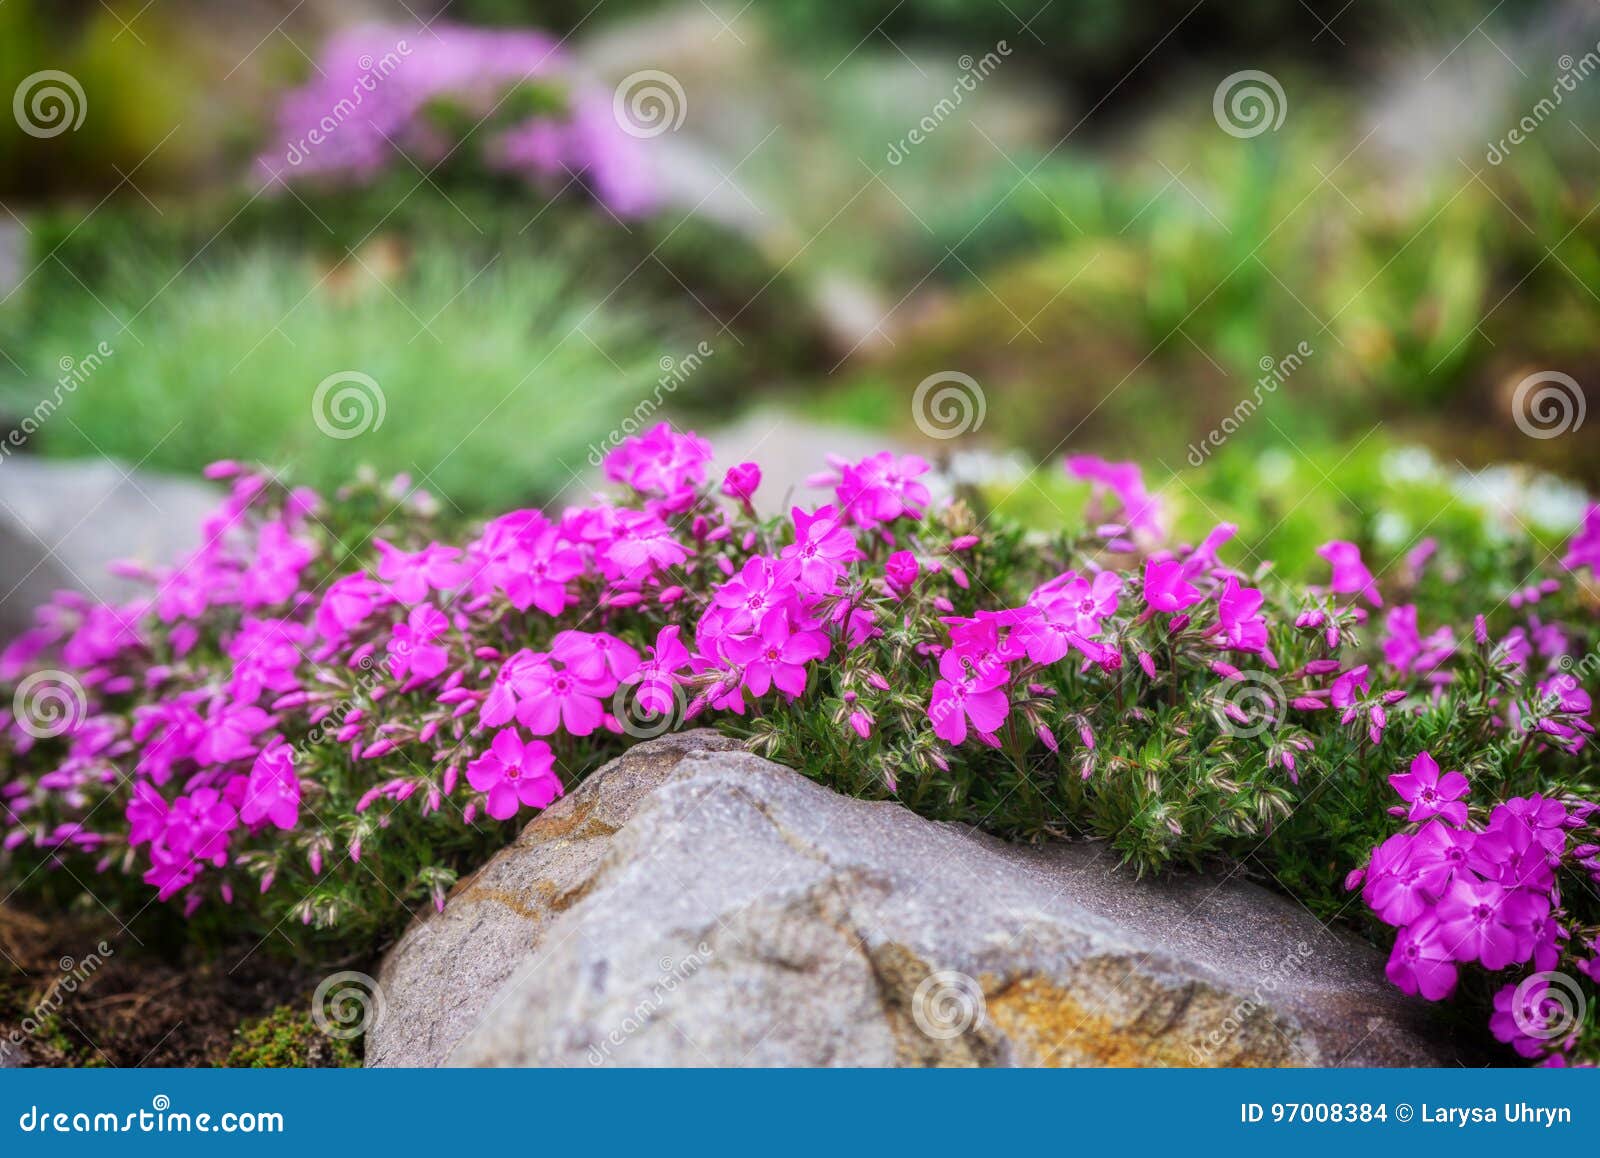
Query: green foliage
289	1038
475	365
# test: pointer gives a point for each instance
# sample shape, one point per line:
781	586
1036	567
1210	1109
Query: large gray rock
62	523
695	905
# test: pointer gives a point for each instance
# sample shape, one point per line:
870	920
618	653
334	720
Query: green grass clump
495	378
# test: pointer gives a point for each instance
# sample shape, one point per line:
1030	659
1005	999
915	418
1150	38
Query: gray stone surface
63	522
692	904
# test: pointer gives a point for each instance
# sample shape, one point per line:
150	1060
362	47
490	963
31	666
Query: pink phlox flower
1204	557
411	575
412	650
1239	616
1407	651
595	657
1584	549
1420	962
513	774
266	653
1078	602
1350	574
761	584
900	573
1141	511
274	575
104	634
968	691
654	686
742	481
552	698
229	733
822	550
880	488
1165	588
1484	921
273	791
1431	794
776	655
1529	1017
169	732
347	604
661	464
641	545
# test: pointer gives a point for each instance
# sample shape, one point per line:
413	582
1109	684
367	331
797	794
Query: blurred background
1328	268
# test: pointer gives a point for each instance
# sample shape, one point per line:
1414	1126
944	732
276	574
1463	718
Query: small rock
63	522
691	904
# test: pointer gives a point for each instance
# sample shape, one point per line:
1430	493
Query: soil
65	1003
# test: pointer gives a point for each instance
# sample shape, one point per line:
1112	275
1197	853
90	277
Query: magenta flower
881	488
552	699
1528	1017
900	572
822	549
347	604
1141	511
1420	963
1430	794
1165	588
1483	921
1584	549
1078	602
776	655
411	575
1406	650
272	792
655	682
513	774
595	657
661	464
968	692
1239	616
742	481
1350	575
411	648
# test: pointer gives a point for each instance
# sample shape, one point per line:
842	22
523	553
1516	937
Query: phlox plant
333	708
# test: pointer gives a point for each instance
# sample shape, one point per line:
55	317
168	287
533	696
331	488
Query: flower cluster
1487	894
382	91
336	705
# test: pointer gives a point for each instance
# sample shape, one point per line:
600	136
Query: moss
288	1038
